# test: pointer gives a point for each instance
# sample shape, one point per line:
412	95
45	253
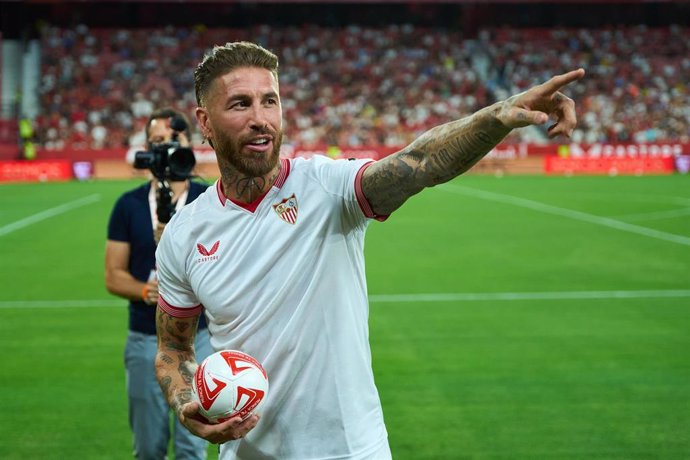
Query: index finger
559	81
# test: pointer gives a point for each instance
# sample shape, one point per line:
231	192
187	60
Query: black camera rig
168	161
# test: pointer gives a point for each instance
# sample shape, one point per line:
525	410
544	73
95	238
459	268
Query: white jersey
283	280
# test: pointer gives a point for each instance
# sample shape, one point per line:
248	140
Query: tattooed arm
175	360
175	367
448	150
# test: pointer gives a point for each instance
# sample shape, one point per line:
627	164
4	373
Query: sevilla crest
287	209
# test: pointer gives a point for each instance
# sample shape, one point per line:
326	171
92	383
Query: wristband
145	293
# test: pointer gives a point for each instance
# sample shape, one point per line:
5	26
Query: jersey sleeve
362	200
176	295
344	178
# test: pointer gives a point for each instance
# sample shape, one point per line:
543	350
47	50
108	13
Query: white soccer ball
228	384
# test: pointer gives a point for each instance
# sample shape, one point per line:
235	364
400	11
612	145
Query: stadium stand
403	68
368	86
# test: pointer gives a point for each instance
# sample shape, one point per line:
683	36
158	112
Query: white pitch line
62	303
656	215
577	215
401	298
507	296
48	213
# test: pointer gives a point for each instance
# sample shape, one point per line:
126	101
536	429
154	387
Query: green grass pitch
515	317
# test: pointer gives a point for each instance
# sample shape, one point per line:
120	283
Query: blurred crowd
358	86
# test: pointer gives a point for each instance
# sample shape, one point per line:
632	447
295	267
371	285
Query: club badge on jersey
287	209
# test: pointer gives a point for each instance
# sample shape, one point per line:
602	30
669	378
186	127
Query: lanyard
153	203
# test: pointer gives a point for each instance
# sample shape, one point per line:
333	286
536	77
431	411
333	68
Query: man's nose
258	119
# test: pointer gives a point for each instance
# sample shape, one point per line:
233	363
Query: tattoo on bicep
172	332
388	187
181	327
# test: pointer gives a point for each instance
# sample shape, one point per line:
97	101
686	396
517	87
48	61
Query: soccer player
133	231
285	282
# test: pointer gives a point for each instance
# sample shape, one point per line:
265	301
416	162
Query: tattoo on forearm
165	384
437	156
182	397
175	361
186	373
444	157
460	155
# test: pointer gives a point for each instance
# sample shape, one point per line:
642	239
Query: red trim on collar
251	207
284	173
221	195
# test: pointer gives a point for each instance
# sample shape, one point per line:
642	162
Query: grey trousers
149	414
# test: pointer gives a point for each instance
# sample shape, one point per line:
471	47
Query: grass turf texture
545	378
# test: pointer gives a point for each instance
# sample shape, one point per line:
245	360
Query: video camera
168	161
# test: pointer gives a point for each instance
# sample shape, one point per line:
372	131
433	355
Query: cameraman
133	233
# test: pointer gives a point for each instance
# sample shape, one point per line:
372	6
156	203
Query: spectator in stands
26	138
637	89
133	233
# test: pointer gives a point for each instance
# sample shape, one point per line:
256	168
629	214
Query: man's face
243	118
160	132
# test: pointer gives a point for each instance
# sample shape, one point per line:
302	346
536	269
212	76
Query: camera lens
143	160
181	162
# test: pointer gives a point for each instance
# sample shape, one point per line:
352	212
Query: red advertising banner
204	154
35	171
657	158
554	164
606	150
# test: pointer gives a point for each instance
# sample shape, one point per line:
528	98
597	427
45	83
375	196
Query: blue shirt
130	222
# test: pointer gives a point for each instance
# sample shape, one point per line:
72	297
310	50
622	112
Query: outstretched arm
448	150
175	368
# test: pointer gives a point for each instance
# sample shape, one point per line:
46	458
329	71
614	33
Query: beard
255	164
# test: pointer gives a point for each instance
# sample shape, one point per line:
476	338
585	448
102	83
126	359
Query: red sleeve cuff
362	199
178	312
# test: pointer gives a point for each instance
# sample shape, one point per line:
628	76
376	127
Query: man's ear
204	123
